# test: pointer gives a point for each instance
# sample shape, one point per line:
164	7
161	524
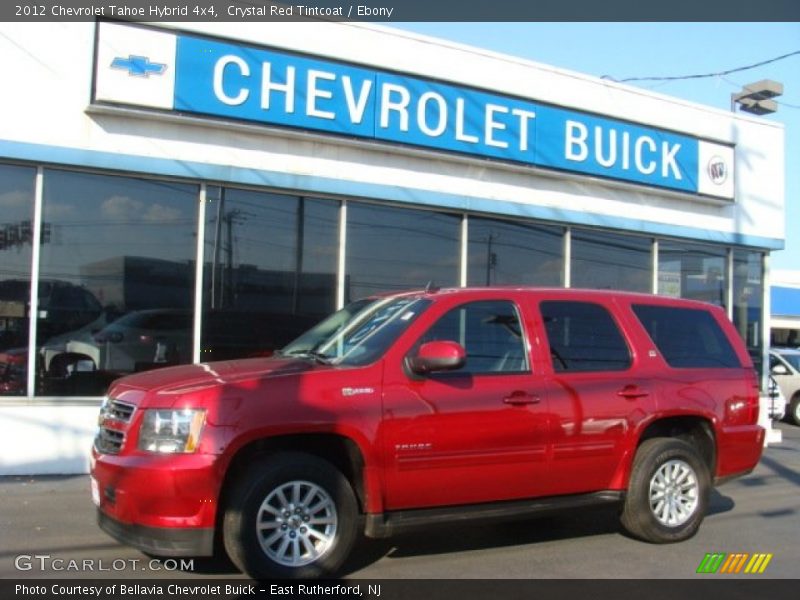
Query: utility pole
230	218
217	243
298	259
491	259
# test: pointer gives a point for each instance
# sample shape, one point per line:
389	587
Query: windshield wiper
320	357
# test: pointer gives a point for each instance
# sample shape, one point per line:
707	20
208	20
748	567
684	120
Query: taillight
743	410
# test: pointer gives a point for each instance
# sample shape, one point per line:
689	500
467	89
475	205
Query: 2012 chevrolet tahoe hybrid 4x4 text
407	409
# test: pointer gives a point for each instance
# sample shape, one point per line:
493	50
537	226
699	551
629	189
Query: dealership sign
187	74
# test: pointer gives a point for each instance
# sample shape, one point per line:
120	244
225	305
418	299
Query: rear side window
583	337
688	338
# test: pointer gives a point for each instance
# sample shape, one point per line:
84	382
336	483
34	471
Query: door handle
520	397
632	392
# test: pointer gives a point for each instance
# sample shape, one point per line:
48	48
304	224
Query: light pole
757	98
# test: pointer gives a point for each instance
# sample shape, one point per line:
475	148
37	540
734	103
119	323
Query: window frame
524	340
547	348
727	349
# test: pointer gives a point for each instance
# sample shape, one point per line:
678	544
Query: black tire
320	540
676	514
793	416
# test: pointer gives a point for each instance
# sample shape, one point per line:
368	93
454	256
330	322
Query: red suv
405	410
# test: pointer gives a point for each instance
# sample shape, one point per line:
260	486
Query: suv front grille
121	411
109	441
110	438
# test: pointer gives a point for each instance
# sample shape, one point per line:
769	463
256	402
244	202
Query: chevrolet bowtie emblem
138	66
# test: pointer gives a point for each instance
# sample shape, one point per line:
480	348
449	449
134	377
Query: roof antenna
430	288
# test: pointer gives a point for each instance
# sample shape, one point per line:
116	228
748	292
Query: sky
622	50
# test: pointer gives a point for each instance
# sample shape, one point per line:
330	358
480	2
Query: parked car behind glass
140	340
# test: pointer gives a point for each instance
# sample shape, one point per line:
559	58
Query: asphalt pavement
48	530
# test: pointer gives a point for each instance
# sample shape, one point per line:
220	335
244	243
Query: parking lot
48	530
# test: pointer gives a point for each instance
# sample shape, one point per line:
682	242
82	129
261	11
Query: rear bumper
159	541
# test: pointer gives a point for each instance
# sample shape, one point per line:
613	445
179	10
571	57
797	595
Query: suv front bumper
159	541
164	505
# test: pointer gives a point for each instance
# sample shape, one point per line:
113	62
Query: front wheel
294	516
794	410
667	492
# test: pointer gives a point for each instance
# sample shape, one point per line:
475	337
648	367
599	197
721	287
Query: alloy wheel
296	523
673	493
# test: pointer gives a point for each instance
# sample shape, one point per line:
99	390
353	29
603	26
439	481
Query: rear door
596	396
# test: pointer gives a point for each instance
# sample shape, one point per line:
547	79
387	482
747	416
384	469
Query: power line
705	75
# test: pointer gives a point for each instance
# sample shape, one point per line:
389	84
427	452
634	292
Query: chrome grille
121	411
109	441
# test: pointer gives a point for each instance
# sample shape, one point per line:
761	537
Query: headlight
171	431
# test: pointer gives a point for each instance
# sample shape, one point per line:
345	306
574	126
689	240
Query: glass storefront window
16	241
270	270
117	271
506	252
613	261
692	271
116	279
391	248
748	295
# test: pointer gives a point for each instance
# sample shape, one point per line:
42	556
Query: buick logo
717	170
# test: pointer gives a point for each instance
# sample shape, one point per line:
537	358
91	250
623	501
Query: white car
784	366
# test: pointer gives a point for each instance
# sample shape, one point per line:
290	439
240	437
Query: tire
672	515
294	516
793	416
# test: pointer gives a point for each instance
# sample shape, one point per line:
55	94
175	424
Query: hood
186	378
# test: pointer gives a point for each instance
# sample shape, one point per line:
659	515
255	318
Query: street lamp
756	98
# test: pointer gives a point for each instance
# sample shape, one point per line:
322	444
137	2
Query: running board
383	525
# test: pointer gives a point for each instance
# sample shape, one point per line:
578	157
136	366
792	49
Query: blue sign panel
445	117
264	86
609	148
278	88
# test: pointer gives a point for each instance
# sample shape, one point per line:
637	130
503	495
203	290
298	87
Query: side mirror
438	356
779	369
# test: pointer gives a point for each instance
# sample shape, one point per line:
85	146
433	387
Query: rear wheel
294	516
667	493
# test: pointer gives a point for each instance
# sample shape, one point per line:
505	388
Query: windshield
792	359
359	333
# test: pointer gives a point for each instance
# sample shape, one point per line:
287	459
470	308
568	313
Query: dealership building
179	193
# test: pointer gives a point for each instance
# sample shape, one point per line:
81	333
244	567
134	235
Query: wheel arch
697	430
337	449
